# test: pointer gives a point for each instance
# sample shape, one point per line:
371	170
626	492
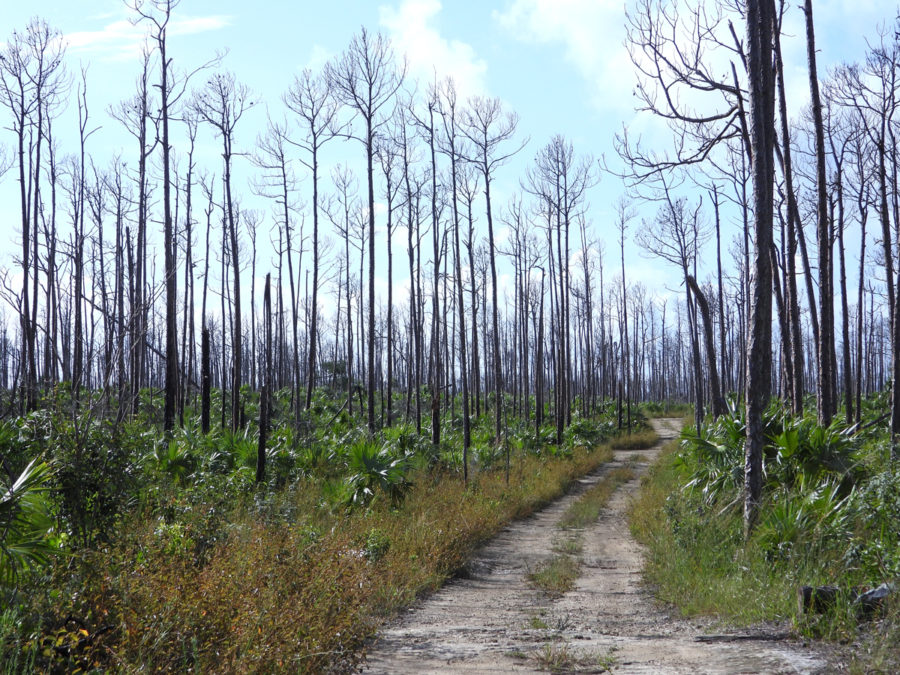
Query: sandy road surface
491	621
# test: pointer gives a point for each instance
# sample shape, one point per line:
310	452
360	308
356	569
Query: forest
260	388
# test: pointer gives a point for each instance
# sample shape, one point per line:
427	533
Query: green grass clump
556	576
538	623
586	509
559	657
568	545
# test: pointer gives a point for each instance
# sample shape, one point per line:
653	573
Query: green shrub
97	476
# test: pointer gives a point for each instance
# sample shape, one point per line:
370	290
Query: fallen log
744	637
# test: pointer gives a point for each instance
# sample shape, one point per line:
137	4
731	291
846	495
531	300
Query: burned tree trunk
718	401
265	393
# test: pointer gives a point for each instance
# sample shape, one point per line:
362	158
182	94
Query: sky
561	65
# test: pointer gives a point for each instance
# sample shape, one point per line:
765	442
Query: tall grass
695	557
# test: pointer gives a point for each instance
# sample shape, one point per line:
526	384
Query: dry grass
300	592
639	440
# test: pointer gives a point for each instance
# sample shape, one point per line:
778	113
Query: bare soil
489	620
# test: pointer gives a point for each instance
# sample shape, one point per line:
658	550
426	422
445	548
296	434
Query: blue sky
560	64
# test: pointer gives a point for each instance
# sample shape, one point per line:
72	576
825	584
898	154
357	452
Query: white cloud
592	33
411	28
189	25
102	16
122	39
117	39
318	57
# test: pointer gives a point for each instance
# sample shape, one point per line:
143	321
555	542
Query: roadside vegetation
831	503
125	549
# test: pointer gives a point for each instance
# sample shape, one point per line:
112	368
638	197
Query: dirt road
490	621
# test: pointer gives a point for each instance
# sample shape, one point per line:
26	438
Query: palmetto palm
24	522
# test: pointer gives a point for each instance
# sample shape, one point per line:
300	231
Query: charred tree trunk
205	384
760	25
265	393
826	404
718	402
794	228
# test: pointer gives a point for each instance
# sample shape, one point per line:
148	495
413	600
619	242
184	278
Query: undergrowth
638	440
666	409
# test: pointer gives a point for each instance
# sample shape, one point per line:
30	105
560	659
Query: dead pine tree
413	186
467	186
221	103
158	14
825	375
134	115
760	27
279	183
344	202
311	100
205	362
489	130
366	78
676	235
388	152
427	129
32	80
